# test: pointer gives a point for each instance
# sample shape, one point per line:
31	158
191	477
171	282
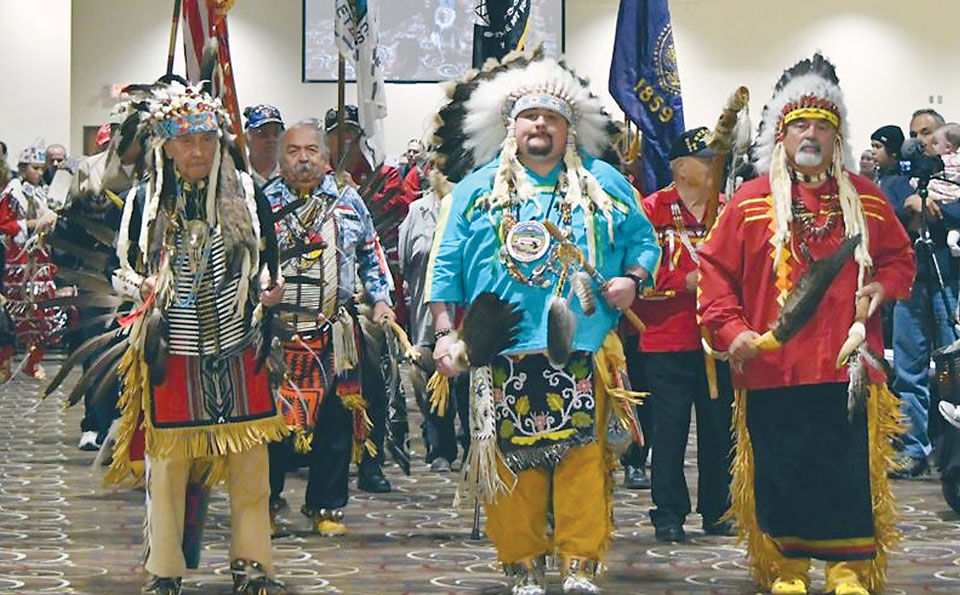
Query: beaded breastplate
203	320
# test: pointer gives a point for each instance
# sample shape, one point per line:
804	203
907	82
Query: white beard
808	158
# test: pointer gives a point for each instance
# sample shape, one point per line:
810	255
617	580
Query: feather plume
93	259
857	388
585	295
877	362
104	234
561	326
84	280
805	297
84	300
490	326
106	449
109	357
208	65
100	320
80	354
156	347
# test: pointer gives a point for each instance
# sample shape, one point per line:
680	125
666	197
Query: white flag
358	39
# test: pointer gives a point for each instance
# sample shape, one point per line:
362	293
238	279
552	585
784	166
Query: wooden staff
722	140
596	275
174	26
341	103
228	86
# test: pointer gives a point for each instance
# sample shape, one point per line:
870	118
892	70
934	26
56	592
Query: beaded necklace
808	229
527	241
195	242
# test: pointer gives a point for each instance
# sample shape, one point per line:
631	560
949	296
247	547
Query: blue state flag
645	83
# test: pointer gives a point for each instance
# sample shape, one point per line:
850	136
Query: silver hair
309	124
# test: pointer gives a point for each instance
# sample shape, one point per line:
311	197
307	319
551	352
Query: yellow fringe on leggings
611	398
884	424
135	376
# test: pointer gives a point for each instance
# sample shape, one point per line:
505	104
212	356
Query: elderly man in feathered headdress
196	249
541	219
813	416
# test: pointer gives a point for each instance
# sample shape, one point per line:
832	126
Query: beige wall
890	57
35	83
265	38
890	54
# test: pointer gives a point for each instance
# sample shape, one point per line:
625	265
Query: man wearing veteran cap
329	236
673	355
813	416
197	254
539	205
264	126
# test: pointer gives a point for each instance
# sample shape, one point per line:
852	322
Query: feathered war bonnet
808	89
477	123
171	108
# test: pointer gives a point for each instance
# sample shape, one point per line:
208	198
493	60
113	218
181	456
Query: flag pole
341	103
229	87
174	25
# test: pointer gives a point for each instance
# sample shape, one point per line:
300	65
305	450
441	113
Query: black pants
328	459
677	381
811	470
375	392
439	432
329	456
636	456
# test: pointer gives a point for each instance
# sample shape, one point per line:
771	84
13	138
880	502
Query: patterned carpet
60	532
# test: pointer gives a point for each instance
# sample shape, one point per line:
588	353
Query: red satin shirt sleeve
719	287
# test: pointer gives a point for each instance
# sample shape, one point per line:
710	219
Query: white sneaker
528	581
950	412
88	441
440	465
579	583
528	588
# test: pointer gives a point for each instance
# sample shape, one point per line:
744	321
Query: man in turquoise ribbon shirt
534	128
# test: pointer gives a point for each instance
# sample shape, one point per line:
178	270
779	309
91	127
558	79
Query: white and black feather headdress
810	83
473	124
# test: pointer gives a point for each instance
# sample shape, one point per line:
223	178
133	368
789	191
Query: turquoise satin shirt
465	262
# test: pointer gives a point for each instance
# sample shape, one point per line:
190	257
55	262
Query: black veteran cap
350	116
692	143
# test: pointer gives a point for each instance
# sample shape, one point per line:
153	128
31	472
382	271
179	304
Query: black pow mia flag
500	28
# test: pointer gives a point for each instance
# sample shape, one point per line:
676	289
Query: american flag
197	29
204	20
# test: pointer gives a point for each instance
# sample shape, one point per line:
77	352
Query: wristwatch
442	333
638	283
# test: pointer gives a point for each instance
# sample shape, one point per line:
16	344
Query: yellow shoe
794	587
329	527
851	589
39	373
326	522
